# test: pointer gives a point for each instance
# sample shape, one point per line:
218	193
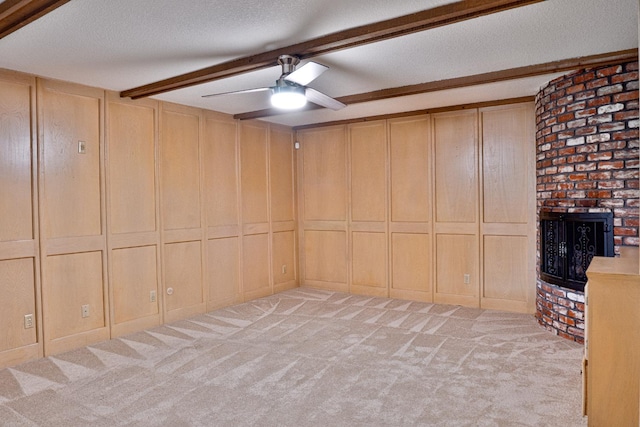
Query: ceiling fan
291	91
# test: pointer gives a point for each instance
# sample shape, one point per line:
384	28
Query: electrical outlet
284	269
82	147
467	279
152	296
28	321
85	310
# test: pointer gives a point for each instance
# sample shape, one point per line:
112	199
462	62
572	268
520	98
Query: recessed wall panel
368	172
17	285
224	264
325	174
409	158
134	277
284	268
281	176
131	152
456	257
183	275
506	165
253	154
221	172
71	163
180	170
456	167
16	208
410	262
255	273
326	256
369	266
73	280
506	274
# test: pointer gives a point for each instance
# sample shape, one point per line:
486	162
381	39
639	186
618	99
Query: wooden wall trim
352	37
466	81
420	112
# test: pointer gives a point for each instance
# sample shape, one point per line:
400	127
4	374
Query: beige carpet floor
307	357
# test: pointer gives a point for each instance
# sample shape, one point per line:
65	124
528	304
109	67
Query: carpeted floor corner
307	357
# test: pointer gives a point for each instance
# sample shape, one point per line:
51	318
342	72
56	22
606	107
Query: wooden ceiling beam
466	81
384	30
15	14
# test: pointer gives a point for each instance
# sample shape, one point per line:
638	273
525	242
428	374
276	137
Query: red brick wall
587	161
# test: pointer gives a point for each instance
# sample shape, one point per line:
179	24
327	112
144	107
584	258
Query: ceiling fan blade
259	89
323	100
307	73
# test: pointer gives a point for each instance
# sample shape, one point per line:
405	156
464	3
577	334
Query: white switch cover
85	310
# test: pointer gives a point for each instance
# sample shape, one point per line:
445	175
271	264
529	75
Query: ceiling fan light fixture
288	97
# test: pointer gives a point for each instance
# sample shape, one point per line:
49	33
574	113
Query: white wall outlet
82	147
467	279
152	296
28	321
85	310
284	269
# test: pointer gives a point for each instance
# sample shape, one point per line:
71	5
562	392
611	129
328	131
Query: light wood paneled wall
144	212
368	208
432	208
323	183
410	203
455	155
508	211
133	231
19	221
72	215
181	195
283	209
222	198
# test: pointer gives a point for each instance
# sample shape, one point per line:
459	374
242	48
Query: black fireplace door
568	243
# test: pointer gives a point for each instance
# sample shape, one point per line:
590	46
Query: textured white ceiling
121	44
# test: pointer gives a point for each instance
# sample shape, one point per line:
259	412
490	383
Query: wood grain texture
456	166
326	256
369	260
180	169
131	172
284	254
281	175
133	276
456	255
325	174
613	340
16	196
72	185
183	274
410	169
506	144
254	173
71	281
368	143
17	280
255	265
223	271
506	269
221	172
410	261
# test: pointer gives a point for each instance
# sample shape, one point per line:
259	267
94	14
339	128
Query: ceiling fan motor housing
288	63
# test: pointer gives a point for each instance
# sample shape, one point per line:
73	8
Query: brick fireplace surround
587	161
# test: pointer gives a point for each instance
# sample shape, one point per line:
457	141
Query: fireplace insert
568	242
